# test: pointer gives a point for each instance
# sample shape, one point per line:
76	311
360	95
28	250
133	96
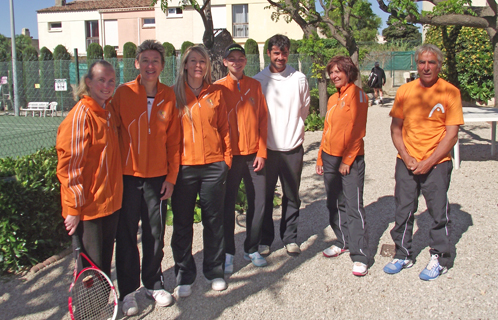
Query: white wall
73	33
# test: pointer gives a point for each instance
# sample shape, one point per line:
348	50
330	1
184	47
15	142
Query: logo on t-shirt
438	107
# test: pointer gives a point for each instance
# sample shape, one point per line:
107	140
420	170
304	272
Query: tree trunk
221	41
322	94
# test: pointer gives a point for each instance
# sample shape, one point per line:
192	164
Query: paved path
313	287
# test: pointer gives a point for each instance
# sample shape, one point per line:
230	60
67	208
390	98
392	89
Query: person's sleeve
224	131
454	114
359	112
173	140
263	124
116	106
305	99
73	142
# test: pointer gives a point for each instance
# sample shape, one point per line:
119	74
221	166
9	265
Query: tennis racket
92	294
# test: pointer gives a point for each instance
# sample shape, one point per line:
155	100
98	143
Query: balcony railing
240	30
91	40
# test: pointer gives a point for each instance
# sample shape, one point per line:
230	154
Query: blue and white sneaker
256	259
397	265
433	269
229	263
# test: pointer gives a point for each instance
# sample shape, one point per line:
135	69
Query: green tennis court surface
22	135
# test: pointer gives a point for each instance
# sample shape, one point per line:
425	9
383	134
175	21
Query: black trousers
97	241
434	186
209	182
255	185
345	204
141	201
286	165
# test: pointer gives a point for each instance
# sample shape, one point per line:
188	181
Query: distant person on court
247	119
206	157
89	167
426	116
377	85
288	99
150	141
342	164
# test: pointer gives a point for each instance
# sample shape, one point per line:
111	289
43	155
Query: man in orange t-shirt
426	115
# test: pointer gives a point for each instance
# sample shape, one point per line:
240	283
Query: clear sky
25	15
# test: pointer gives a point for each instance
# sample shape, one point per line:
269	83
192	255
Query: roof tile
90	5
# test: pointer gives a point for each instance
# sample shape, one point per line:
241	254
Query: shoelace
434	262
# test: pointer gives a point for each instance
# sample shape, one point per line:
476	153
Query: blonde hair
179	88
83	89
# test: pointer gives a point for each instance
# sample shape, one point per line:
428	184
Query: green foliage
252	55
265	52
185	46
314	98
30	54
169	49
30	73
314	122
321	50
129	53
46	74
474	61
110	52
62	61
94	53
31	228
399	31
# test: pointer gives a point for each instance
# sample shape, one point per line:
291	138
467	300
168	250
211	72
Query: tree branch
452	19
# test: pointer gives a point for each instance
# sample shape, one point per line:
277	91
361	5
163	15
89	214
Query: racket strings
92	297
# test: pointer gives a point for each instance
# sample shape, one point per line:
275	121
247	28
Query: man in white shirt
288	98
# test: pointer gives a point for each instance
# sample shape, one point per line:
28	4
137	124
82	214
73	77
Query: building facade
78	23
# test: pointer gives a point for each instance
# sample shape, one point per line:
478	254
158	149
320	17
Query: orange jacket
206	138
148	148
247	115
89	166
345	124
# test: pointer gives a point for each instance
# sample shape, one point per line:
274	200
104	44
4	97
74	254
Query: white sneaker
360	269
218	284
293	248
130	307
333	251
184	290
163	298
228	263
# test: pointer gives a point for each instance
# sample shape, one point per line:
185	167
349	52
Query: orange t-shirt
426	112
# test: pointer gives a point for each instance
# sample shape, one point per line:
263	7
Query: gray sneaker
264	250
130	307
162	297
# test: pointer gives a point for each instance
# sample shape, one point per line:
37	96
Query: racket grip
76	243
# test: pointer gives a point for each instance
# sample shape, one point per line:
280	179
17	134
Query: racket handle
76	244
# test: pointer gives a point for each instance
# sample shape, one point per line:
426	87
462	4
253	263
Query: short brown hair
346	65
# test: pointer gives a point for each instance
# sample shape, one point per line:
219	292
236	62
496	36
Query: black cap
233	47
376	63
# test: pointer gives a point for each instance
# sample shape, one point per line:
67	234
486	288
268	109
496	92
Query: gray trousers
255	185
345	204
434	187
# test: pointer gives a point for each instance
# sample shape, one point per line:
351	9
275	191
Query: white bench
40	107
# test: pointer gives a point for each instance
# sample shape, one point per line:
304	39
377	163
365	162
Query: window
174	13
149	22
92	32
55	26
240	21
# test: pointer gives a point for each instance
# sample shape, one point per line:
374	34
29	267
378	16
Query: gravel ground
311	286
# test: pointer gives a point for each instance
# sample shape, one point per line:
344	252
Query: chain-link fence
56	80
398	63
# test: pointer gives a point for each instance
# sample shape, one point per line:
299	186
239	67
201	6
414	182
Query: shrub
31	227
252	54
30	74
169	49
185	46
46	75
94	52
314	122
111	56
62	62
129	70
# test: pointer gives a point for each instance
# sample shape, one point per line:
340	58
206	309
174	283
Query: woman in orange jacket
150	136
89	167
340	161
205	160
